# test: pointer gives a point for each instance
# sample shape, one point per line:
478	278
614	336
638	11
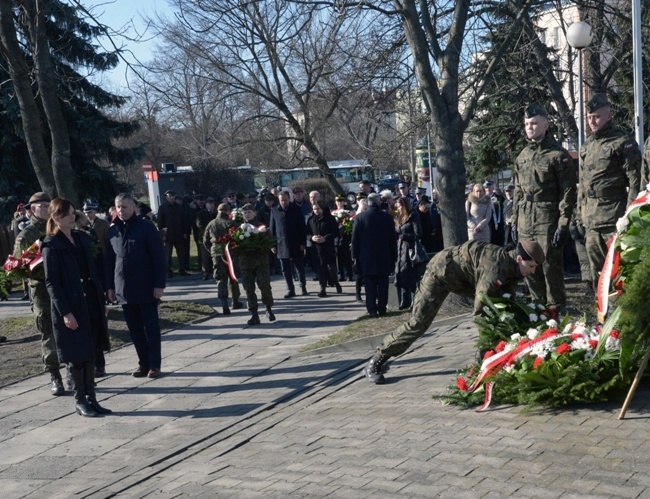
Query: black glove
560	238
514	235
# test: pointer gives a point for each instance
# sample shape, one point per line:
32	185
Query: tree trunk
46	79
29	113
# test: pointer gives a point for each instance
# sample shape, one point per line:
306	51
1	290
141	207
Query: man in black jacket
374	250
174	224
135	278
289	229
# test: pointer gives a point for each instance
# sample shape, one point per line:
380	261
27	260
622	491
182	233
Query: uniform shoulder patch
629	145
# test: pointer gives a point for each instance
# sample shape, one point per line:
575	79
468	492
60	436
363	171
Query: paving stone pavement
239	414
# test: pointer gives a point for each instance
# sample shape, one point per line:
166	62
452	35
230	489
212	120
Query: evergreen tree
85	105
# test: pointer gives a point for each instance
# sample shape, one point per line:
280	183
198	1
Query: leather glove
560	238
514	235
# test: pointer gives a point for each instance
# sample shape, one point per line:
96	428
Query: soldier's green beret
535	109
596	102
531	250
248	207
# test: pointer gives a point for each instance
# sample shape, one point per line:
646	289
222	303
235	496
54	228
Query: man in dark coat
374	249
472	269
290	231
172	221
135	277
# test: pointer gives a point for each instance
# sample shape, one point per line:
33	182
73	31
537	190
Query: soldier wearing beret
472	269
39	204
544	200
610	175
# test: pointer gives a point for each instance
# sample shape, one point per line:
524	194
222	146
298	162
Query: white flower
539	306
581	344
541	349
612	344
542	317
624	246
533	317
515	337
509	369
621	225
247	234
509	347
532	333
241	237
507	295
519	294
580	329
551	323
262	229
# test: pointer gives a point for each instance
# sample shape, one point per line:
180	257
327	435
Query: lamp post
579	36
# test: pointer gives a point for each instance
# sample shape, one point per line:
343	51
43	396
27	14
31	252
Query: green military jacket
28	236
214	230
610	176
476	268
545	188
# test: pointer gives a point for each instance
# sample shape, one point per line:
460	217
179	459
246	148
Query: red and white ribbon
229	263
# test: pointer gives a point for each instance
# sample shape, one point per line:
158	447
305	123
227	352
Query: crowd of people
522	234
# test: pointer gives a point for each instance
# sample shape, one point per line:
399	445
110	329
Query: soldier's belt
539	198
607	192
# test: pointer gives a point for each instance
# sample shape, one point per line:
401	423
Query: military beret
224	207
39	197
531	250
510	187
339	197
361	195
535	109
596	102
248	207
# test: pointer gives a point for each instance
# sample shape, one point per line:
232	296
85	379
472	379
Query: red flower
488	354
551	313
538	362
522	342
563	348
461	384
12	263
615	334
576	336
501	346
593	343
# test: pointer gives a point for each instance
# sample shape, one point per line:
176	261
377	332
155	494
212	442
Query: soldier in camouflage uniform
215	229
40	202
610	174
472	269
255	267
544	200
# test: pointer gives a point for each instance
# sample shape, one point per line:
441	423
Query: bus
348	173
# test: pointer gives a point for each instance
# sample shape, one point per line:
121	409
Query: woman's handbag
418	254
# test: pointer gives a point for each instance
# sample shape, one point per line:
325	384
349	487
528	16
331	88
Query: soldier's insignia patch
565	160
629	146
498	283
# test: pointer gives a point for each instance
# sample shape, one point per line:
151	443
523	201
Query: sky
127	16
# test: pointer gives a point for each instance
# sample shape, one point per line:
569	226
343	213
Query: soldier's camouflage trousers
43	315
429	297
546	285
223	280
596	247
252	271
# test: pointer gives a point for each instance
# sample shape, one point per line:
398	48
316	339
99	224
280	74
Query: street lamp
579	36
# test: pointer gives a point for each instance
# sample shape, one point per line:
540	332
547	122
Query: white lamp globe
579	35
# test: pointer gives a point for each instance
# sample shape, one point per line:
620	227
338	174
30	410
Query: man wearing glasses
39	204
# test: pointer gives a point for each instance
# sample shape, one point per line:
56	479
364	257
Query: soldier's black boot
255	318
322	293
236	305
269	314
224	304
79	383
373	370
91	398
57	383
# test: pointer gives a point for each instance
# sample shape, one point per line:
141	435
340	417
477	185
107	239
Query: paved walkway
239	414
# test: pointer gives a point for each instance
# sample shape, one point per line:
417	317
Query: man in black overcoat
290	231
135	278
374	250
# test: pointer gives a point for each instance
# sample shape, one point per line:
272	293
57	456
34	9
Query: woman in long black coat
323	229
409	231
78	310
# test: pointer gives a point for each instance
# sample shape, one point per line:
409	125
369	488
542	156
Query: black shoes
255	319
374	368
290	294
270	315
224	304
57	384
236	305
94	405
140	372
3	339
304	291
83	409
100	372
339	289
183	273
322	293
